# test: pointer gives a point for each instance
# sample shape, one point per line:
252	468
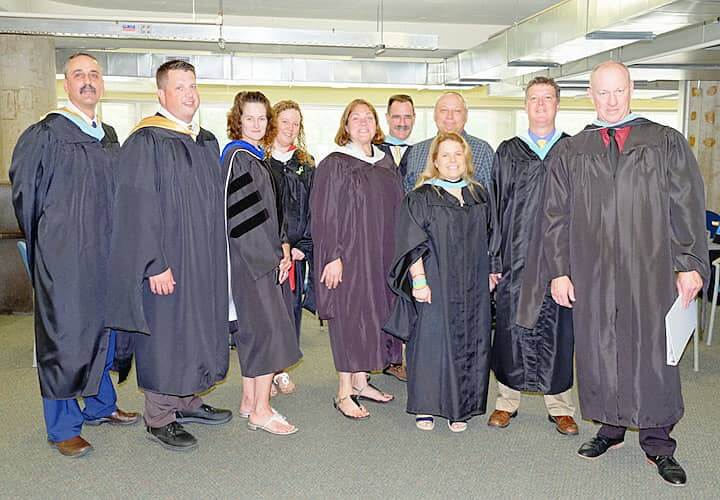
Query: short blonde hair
431	171
342	138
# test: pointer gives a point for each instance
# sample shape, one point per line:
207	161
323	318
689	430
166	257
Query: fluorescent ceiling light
620	35
518	63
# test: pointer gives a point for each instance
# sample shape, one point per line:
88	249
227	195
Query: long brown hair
431	171
234	118
302	154
342	137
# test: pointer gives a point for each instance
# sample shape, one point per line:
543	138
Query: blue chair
22	248
712	222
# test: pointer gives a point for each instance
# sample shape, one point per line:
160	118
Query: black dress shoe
206	414
173	437
598	446
669	469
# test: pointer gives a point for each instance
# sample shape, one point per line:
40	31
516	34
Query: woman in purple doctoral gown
354	201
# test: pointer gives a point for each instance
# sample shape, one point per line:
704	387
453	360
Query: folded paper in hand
680	323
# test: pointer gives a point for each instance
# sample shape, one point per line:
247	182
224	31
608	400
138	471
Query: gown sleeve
687	209
497	201
330	225
31	173
247	212
556	218
138	231
411	243
552	231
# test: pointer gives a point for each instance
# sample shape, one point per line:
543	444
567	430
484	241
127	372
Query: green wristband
419	283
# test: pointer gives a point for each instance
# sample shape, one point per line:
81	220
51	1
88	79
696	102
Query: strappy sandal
425	422
338	401
457	426
283	383
265	426
360	395
246	414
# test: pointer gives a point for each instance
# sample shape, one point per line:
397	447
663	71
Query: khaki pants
557	405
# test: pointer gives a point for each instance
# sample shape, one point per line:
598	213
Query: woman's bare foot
278	424
348	408
372	393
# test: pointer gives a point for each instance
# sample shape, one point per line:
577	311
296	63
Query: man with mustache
400	118
61	176
169	259
451	115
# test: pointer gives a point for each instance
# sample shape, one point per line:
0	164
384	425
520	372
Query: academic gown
169	213
265	338
539	359
295	182
448	340
620	233
62	194
354	205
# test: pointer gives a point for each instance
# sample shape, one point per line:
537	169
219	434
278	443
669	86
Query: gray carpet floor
332	457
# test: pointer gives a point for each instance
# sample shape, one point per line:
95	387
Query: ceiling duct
575	29
679	55
247	70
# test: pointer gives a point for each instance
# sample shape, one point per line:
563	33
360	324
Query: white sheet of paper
679	326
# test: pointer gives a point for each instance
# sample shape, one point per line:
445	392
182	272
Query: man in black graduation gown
169	260
624	236
61	176
400	116
540	359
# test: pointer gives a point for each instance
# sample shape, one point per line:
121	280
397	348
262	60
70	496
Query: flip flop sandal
457	426
246	415
337	402
425	422
276	417
359	394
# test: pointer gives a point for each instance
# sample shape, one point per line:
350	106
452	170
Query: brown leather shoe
397	371
500	418
564	424
118	417
74	447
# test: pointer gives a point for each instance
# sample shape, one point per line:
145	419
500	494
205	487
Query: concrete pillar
27	88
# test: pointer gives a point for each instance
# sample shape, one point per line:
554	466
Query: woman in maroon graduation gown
355	196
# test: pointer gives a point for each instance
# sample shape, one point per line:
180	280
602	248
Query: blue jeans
64	418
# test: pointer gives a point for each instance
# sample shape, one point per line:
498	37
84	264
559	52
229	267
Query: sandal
338	401
457	426
265	426
359	394
425	422
246	414
283	383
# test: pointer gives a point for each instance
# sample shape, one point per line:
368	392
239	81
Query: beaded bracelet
419	283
